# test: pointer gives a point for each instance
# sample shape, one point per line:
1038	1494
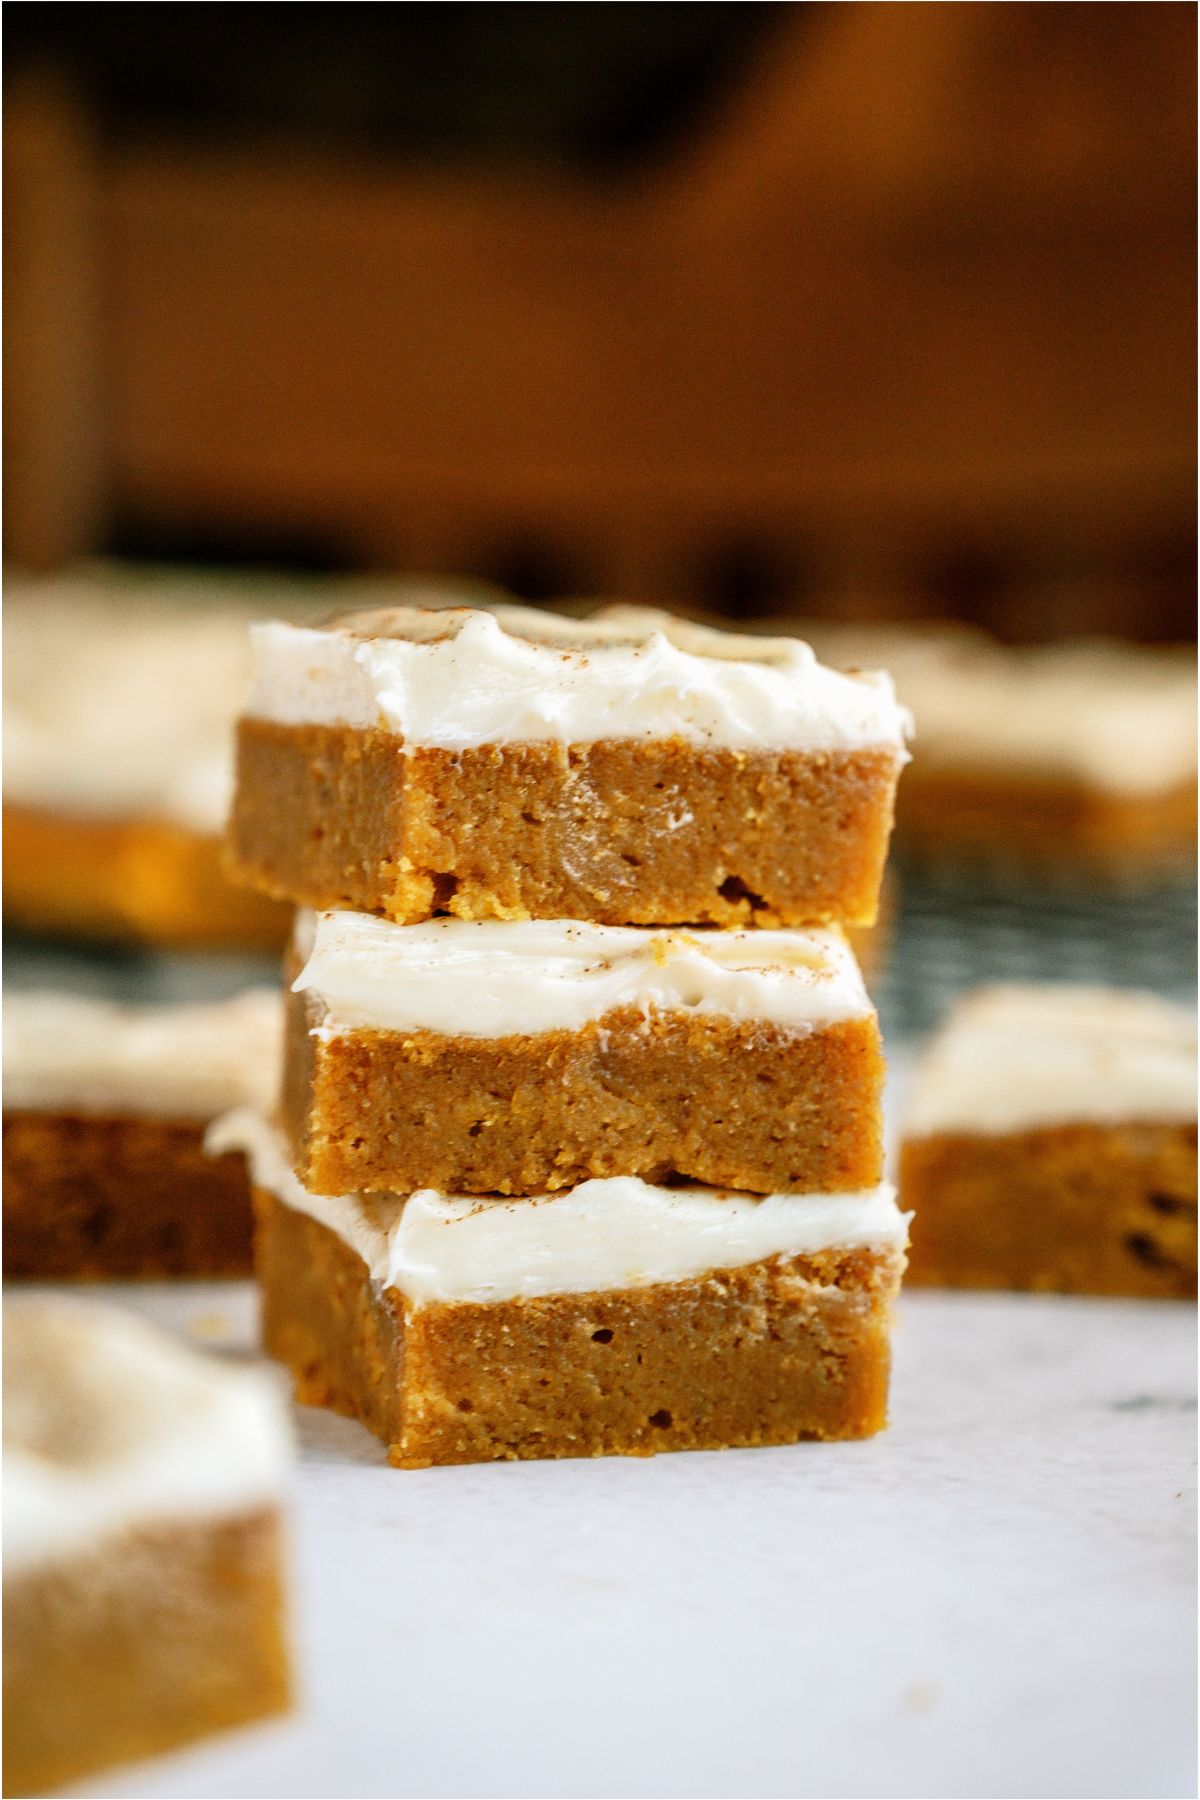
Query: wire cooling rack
956	929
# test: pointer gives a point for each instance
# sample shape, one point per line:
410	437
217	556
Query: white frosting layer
119	703
121	686
456	679
66	1053
110	1424
1118	717
1017	1058
497	977
601	1235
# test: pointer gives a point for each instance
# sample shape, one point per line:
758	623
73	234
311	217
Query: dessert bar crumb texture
616	1318
143	1581
519	1057
105	1174
1051	1144
627	769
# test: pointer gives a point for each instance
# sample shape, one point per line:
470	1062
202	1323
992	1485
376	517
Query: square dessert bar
628	769
105	1109
120	692
1086	750
521	1057
143	1566
615	1318
1051	1144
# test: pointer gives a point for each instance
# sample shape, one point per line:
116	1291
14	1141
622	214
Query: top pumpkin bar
629	768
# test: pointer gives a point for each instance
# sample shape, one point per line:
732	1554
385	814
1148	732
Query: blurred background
851	317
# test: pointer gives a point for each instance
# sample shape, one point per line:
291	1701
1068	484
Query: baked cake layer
1058	822
1086	1209
506	1057
100	1199
141	880
169	1633
769	1353
621	832
725	1102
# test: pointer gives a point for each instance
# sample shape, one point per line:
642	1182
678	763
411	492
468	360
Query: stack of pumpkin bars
580	1144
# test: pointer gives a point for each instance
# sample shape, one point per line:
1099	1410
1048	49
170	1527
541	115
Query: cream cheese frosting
455	679
1113	716
601	1235
68	1053
492	978
1022	1057
120	704
109	1424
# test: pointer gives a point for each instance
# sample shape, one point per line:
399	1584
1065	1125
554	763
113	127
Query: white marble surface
993	1598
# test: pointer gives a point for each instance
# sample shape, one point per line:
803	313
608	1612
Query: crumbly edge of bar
772	1353
724	1102
88	1198
1089	1209
616	832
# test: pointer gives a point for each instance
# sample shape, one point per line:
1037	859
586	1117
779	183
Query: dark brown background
872	309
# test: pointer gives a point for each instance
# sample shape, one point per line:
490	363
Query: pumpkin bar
105	1109
143	1568
628	769
119	698
616	1318
1085	749
519	1057
1051	1144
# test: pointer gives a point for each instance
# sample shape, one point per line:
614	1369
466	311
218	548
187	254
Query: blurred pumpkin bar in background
119	692
1076	755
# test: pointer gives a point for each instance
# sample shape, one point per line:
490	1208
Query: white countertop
993	1598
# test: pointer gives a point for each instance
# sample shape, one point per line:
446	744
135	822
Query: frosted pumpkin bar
1076	753
1051	1144
143	1573
629	769
516	1057
618	1317
120	692
105	1109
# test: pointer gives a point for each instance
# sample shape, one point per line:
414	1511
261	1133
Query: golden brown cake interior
136	879
724	1102
1000	818
118	1198
155	1638
1084	1209
618	832
772	1353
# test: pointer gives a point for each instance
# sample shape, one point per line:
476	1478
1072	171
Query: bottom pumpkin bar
616	1318
143	1565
